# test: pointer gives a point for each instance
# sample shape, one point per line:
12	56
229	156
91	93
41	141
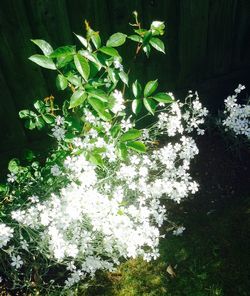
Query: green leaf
116	39
39	122
131	134
157	44
147	49
95	38
68	138
136	89
98	94
141	32
26	114
91	57
124	77
3	188
63	51
115	130
30	124
77	98
13	165
147	37
44	46
48	118
150	105
96	159
63	61
123	151
82	40
150	87
137	146
163	98
29	155
136	106
99	107
74	79
43	61
113	75
40	106
109	51
61	82
135	38
82	66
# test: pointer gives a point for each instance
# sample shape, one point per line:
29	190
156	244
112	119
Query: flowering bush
97	198
237	115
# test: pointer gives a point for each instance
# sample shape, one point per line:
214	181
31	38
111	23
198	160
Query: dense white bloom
237	115
111	207
6	233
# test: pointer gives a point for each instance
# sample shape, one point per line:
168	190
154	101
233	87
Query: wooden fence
207	42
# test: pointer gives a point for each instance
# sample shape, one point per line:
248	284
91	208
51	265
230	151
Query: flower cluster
98	198
103	215
237	115
6	233
179	120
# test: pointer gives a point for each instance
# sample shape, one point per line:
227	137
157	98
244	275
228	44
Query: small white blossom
117	64
6	233
119	102
17	262
179	231
55	170
59	120
11	178
58	132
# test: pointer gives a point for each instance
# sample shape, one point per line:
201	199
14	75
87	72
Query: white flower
126	124
11	178
179	231
59	120
119	102
34	198
157	27
237	115
6	233
17	262
55	170
58	132
117	64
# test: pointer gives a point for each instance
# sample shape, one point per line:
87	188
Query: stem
138	48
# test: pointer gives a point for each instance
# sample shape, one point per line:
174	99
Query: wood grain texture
206	42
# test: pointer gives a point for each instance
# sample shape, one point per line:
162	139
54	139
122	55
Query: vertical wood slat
192	40
220	36
11	131
203	39
25	81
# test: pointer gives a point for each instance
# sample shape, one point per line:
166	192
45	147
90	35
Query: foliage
97	198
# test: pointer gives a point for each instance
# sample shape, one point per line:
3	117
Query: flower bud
157	28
